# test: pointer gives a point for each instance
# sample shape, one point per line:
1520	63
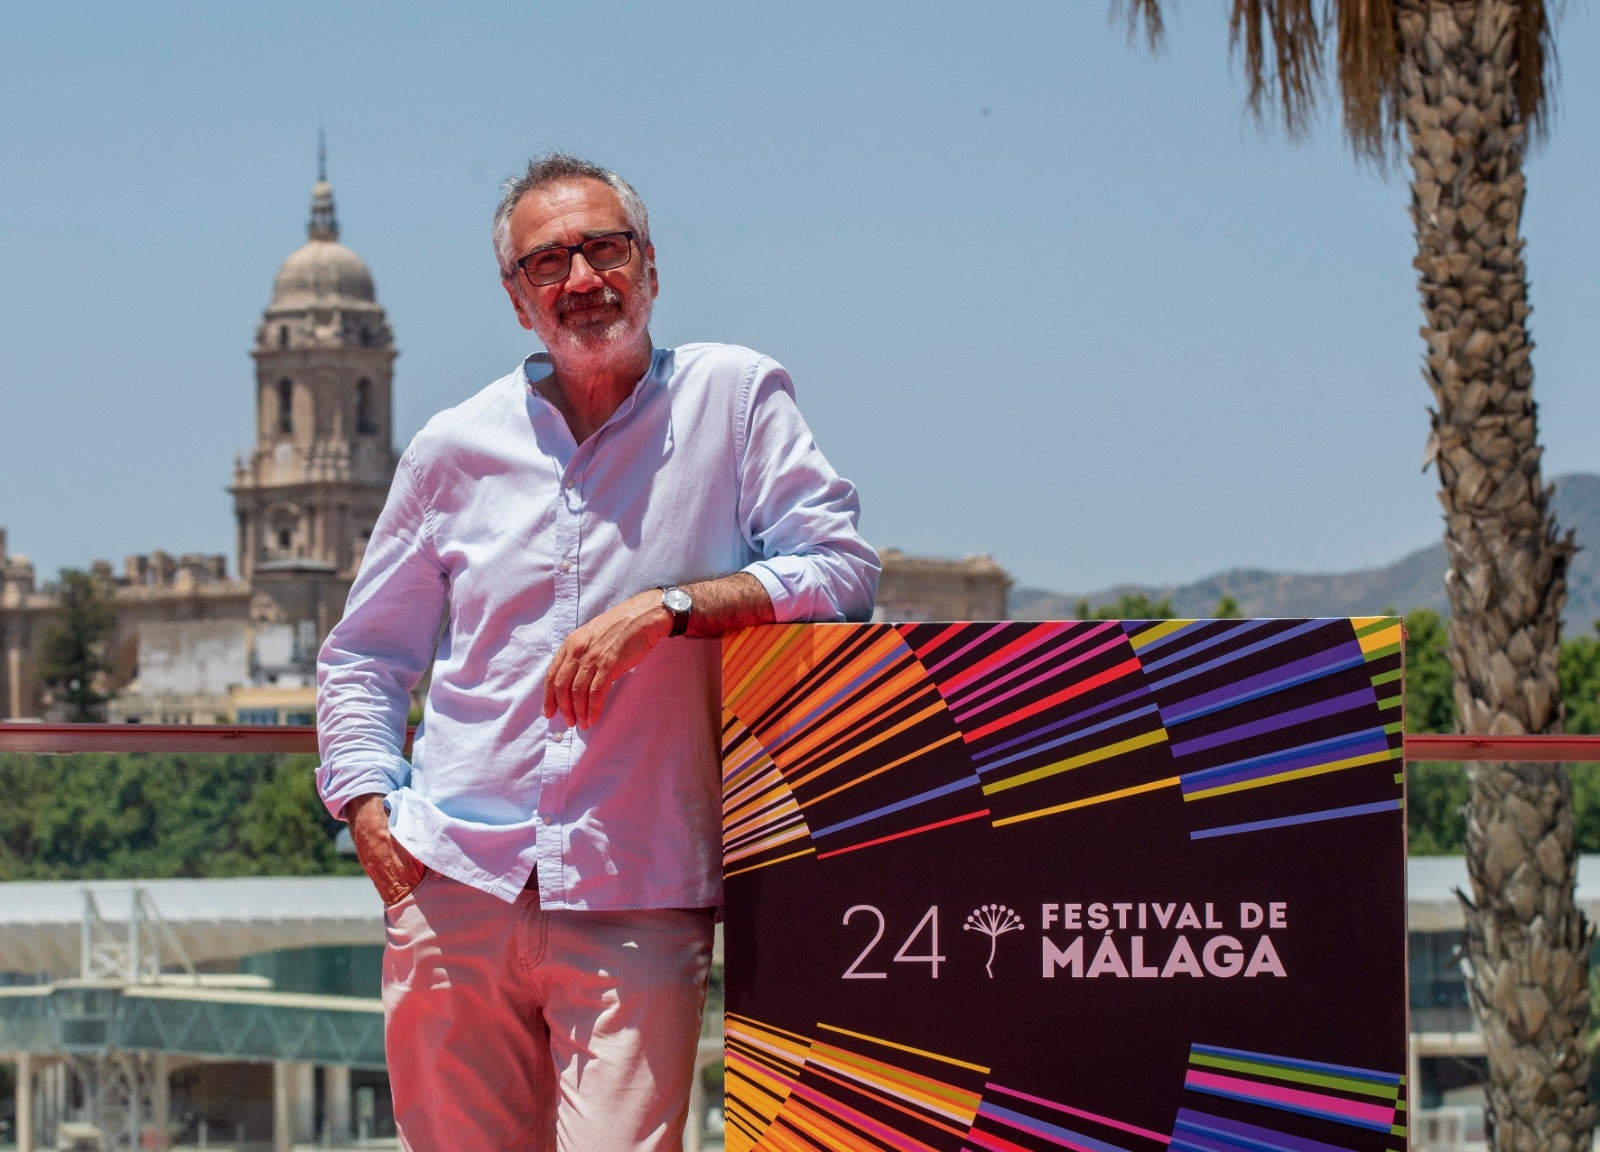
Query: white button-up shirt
499	525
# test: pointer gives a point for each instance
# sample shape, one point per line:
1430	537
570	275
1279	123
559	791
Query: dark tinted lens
604	252
547	267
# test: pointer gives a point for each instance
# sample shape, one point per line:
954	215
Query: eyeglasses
552	265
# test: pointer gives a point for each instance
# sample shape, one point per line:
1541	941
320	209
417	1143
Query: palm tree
1464	83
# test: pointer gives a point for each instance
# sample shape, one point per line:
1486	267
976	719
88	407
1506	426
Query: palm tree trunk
1527	944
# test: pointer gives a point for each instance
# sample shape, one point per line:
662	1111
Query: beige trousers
509	1027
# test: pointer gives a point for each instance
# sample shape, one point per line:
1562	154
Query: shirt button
566	566
548	819
571	485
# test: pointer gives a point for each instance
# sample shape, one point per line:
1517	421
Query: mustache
572	301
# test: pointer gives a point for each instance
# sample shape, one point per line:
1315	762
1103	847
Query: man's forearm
728	603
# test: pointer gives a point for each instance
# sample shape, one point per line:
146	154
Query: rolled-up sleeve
798	514
379	650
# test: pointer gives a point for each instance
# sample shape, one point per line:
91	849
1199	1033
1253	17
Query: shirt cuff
339	788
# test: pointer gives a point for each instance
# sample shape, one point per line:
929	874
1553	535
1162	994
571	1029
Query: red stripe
1116	672
903	835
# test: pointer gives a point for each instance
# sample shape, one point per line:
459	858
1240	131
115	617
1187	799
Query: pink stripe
974	642
963	713
952	689
1331	1105
1078	1112
745	1061
1018	649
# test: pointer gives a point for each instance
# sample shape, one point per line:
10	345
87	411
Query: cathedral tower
306	499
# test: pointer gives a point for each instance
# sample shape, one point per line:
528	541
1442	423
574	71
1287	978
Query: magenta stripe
990	684
963	714
957	684
838	1111
1328	1105
767	1069
1082	1115
974	642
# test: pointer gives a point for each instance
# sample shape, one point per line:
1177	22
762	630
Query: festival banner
1113	886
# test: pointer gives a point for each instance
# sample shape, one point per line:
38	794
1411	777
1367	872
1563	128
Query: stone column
25	1102
161	1100
281	1137
336	1093
303	1102
14	679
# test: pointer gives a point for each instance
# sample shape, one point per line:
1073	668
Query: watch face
676	599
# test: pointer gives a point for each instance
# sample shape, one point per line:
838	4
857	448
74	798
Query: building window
284	539
299	718
258	717
283	335
366	423
285	406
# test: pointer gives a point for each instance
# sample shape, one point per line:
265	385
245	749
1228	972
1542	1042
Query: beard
596	322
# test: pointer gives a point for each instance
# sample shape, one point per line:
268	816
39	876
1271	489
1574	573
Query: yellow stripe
1380	639
1297	774
1101	799
904	1048
1131	744
1167	628
761	665
769	863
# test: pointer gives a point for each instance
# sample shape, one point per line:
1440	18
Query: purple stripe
1274	679
1251	1136
1354	740
1240	653
1072	737
1306	760
1361	698
1298	818
1066	722
1220	638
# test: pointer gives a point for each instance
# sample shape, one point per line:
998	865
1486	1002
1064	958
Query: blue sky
1044	295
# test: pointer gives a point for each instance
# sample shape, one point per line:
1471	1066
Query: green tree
74	659
1464	82
1580	682
1430	695
1128	606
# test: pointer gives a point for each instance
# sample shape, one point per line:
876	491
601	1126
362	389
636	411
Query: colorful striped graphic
1195	828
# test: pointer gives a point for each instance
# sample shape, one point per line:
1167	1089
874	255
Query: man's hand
394	872
596	655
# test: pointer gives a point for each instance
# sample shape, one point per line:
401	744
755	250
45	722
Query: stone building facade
929	588
190	640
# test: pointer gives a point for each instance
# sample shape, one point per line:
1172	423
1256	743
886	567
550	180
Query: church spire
324	224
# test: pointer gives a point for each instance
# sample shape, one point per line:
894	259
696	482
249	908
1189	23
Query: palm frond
1369	77
1141	13
1291	76
1537	66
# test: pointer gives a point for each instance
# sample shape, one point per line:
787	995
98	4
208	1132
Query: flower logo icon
994	921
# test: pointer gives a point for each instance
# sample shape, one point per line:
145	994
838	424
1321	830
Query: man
563	550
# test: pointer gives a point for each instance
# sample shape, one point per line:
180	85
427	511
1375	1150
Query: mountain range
1416	580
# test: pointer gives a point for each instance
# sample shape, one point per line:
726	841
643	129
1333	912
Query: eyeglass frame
577	249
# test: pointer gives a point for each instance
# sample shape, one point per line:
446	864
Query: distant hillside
1414	581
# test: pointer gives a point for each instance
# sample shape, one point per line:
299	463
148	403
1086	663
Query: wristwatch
677	601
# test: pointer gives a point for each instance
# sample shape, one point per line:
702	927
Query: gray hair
559	168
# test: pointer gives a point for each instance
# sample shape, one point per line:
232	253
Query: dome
322	272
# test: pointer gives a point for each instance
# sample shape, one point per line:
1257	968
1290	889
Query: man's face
589	311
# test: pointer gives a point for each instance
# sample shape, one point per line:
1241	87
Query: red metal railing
58	738
29	737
